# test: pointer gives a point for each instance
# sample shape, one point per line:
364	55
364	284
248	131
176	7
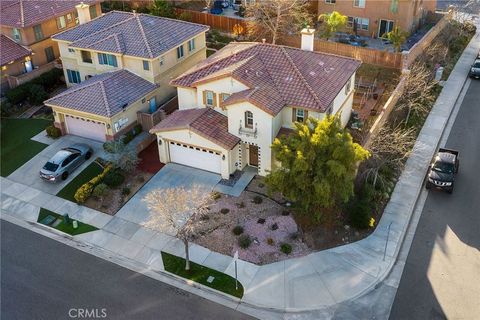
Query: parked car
475	69
65	162
441	173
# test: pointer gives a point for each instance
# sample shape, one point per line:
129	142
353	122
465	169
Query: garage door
84	128
195	157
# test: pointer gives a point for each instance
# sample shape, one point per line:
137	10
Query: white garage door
83	128
195	157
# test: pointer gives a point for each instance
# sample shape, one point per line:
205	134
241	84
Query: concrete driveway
172	175
28	174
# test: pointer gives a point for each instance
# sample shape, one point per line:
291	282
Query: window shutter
305	115
294	114
204	98
214	100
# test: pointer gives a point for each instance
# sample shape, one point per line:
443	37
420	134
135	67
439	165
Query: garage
196	157
85	128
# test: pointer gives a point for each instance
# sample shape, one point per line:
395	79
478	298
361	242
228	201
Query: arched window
248	119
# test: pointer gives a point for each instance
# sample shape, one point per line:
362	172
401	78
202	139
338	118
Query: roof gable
11	51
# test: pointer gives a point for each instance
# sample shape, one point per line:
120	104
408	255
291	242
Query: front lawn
68	192
16	146
221	282
62	226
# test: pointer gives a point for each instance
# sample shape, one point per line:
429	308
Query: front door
253	155
385	27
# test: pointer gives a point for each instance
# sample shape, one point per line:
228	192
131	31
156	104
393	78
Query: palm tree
334	21
397	37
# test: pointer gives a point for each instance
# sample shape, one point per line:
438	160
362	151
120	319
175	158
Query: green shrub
108	146
237	230
17	94
100	190
274	226
359	214
244	241
270	242
37	94
114	178
126	191
216	195
286	248
127	137
53	132
85	191
257	200
224	210
137	129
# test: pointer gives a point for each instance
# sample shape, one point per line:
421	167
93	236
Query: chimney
83	13
308	39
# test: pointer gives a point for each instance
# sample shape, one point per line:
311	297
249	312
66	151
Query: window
108	59
209	98
248	119
330	1
49	53
73	76
359	3
224	96
363	23
350	22
75	16
69	17
146	65
61	23
71	50
38	32
348	86
86	56
191	45
162	61
180	52
16	34
93	11
299	115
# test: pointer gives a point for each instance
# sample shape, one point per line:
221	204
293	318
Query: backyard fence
222	23
149	120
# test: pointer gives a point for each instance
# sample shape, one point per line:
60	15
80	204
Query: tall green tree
334	22
318	166
397	37
163	8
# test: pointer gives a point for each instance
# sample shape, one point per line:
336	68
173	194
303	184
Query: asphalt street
441	279
45	279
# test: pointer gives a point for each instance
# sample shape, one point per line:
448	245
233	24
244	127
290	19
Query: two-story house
234	104
102	102
375	18
31	24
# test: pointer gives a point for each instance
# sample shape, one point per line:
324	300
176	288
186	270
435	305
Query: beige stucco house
234	104
152	49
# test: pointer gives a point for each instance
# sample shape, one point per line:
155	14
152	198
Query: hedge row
35	91
86	189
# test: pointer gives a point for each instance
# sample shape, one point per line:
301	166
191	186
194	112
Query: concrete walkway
318	281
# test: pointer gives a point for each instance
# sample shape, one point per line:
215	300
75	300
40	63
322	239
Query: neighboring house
100	107
375	18
15	59
234	104
31	23
152	49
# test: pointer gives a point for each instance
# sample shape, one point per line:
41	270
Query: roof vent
288	78
312	73
321	63
259	73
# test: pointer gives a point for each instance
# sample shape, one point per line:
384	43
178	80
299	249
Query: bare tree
178	209
418	93
122	156
269	19
389	148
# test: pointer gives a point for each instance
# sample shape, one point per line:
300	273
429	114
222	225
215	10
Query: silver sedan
65	162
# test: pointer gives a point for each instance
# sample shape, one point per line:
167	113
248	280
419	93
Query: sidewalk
321	280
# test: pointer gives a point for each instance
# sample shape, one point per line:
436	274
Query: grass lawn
16	146
88	173
67	228
200	274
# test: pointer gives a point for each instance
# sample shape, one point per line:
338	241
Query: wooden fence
219	22
149	120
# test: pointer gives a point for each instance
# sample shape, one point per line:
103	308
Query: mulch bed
150	161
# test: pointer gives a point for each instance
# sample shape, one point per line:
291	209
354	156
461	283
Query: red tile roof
206	122
11	51
26	13
277	76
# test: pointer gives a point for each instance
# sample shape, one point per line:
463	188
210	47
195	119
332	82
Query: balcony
248	132
17	80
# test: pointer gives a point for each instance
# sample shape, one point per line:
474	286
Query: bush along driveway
16	144
68	192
